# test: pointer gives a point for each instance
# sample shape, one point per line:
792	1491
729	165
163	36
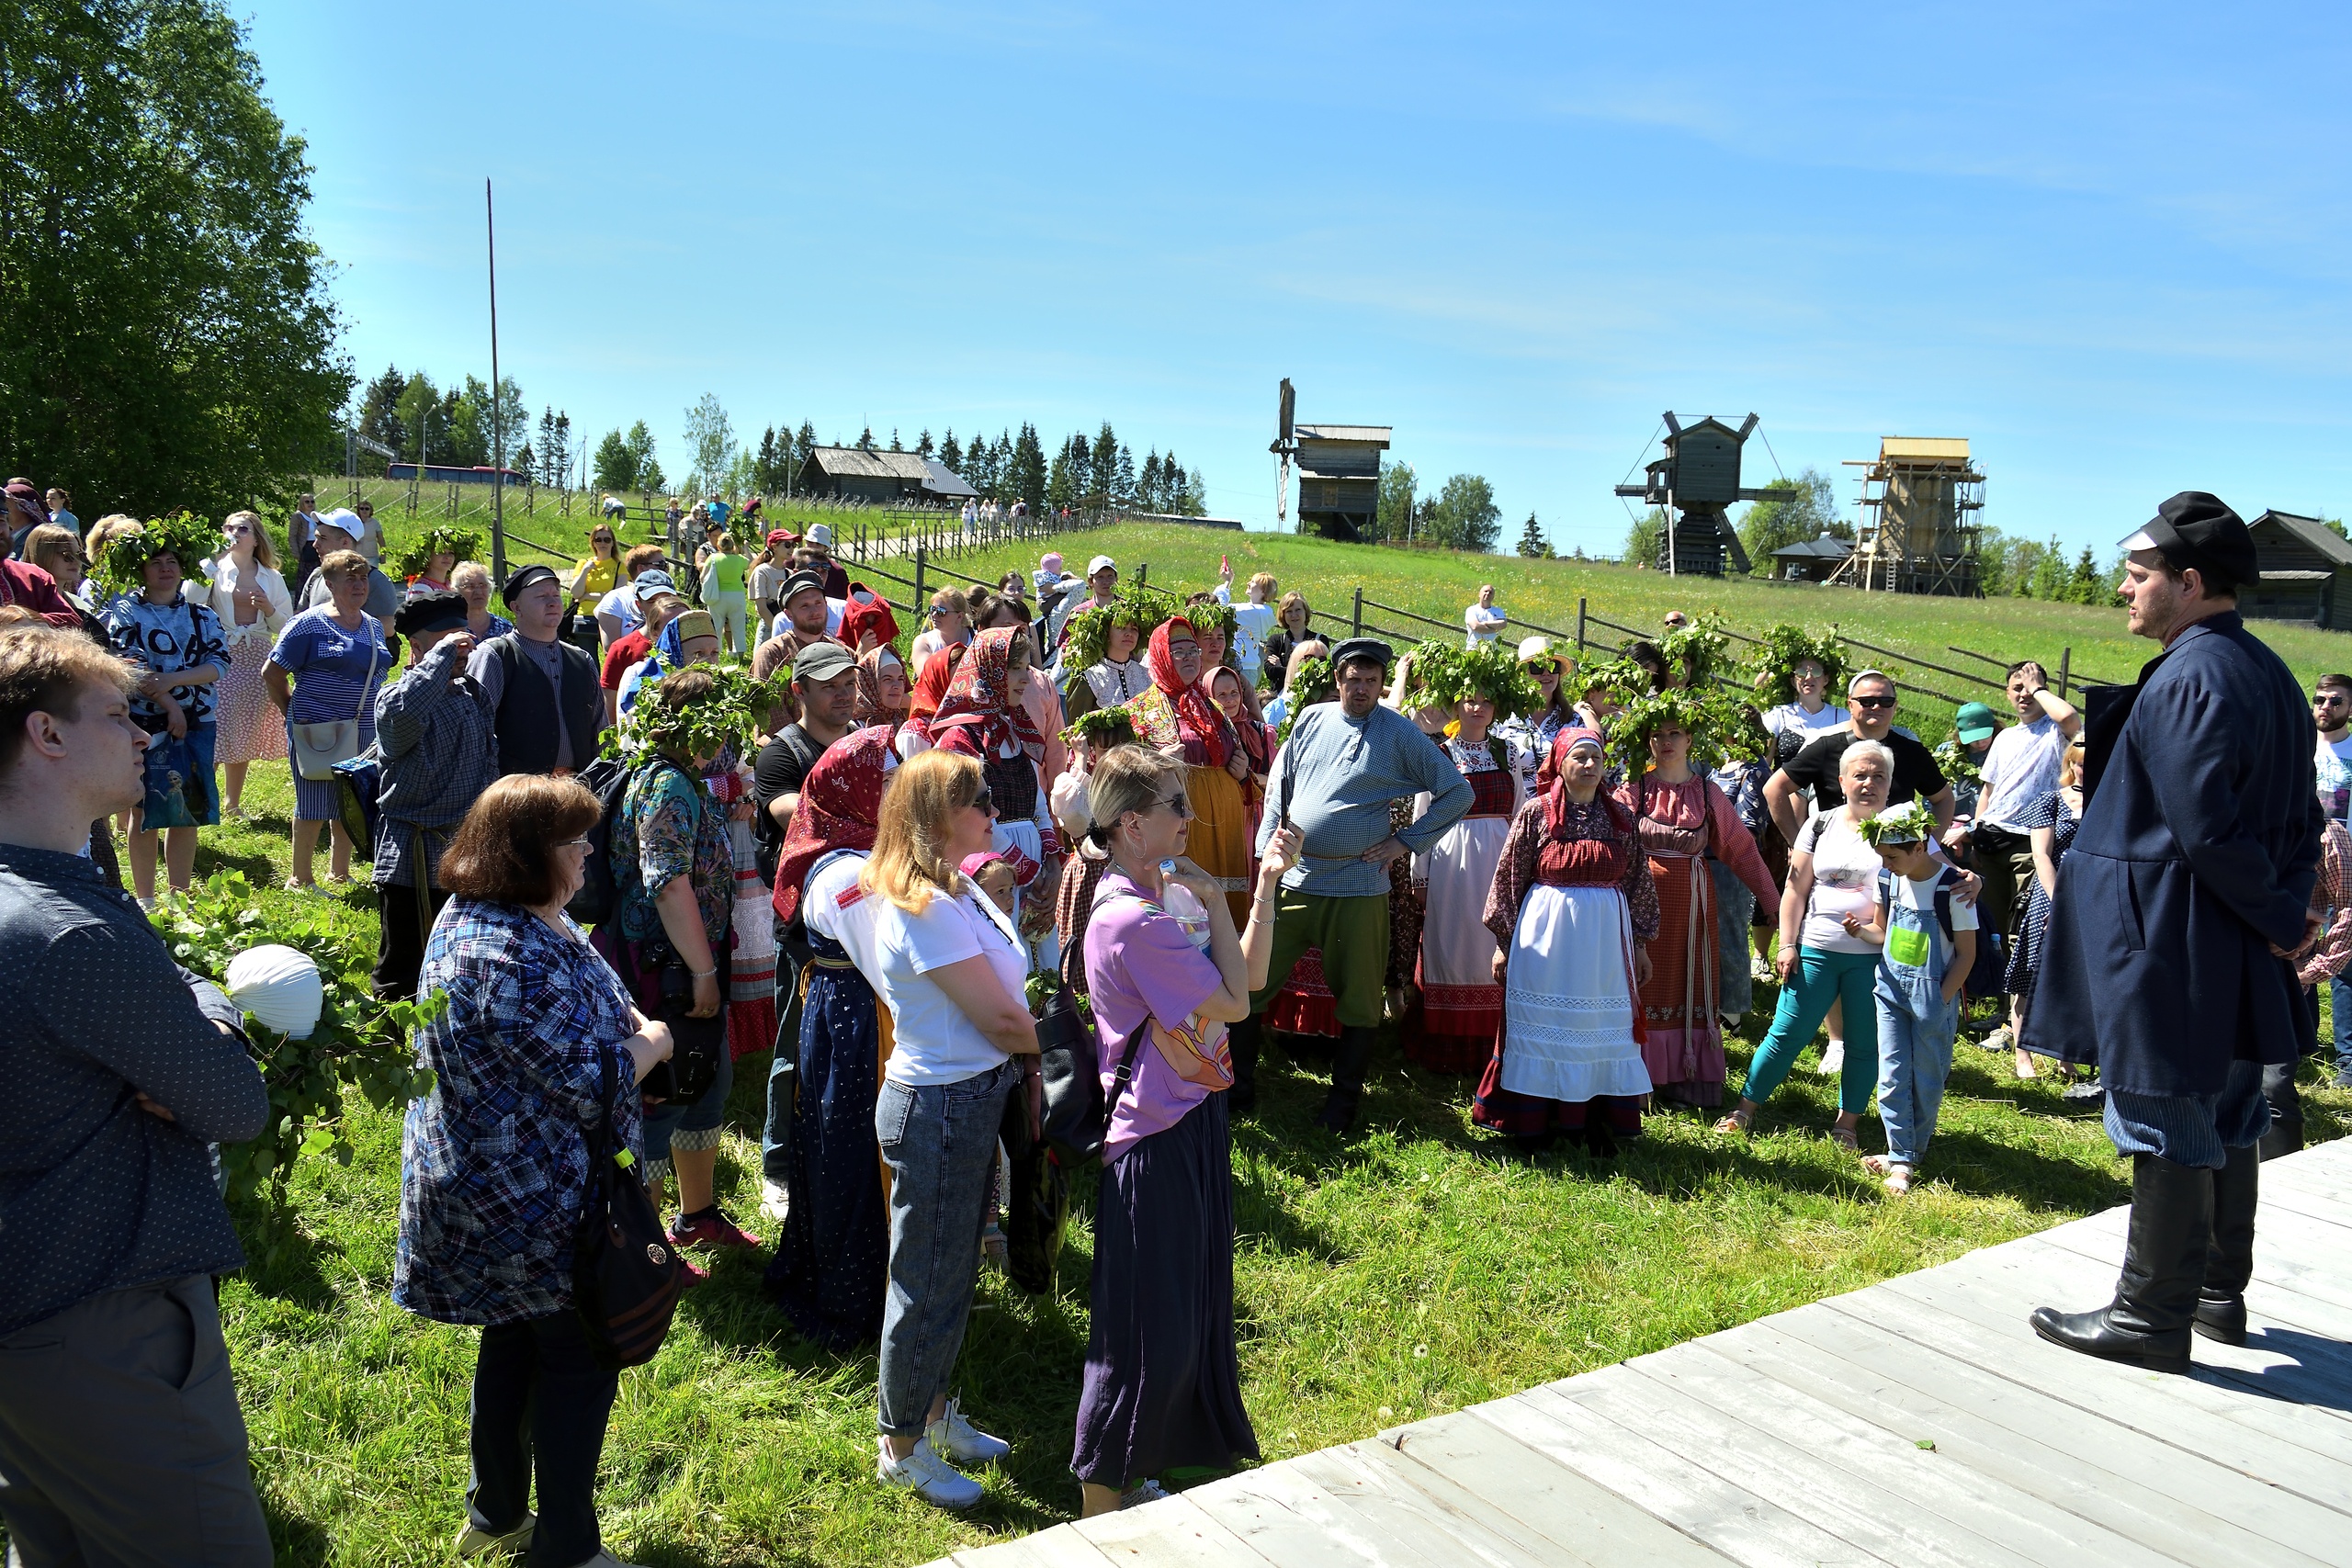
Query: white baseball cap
1098	563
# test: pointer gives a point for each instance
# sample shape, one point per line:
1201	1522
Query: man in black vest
543	690
2168	955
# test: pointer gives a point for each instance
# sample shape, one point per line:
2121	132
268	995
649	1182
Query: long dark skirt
1162	1389
831	1265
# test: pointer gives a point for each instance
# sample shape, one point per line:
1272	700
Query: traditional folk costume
1681	825
1460	1005
831	1262
869	710
978	718
1182	721
1572	894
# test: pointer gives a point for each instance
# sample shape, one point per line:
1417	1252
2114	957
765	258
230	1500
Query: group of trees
170	340
1462	515
457	426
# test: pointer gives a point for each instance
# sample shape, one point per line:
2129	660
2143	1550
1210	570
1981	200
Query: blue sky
2106	242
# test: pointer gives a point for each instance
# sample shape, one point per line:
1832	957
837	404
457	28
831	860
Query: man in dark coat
2188	881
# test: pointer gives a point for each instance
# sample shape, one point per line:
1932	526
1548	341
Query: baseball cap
1098	563
780	536
653	581
822	661
797	582
1974	722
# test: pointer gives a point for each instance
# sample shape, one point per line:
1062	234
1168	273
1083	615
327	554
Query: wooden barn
1811	561
2306	573
881	479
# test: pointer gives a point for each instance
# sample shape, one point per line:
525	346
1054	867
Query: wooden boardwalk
1918	1421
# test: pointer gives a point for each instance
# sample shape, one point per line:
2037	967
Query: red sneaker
689	1275
710	1229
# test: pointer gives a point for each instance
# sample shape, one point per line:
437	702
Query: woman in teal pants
1832	895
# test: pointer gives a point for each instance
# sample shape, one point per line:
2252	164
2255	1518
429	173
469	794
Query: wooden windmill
1339	472
1698	481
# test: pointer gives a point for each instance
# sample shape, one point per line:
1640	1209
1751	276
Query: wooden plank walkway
1918	1421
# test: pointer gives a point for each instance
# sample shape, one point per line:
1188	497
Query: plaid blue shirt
494	1161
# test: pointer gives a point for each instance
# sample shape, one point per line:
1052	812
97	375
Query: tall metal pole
497	427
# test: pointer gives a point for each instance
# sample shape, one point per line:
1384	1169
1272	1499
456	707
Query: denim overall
1916	1028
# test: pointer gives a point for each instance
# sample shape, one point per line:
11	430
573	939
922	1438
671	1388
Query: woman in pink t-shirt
1162	1387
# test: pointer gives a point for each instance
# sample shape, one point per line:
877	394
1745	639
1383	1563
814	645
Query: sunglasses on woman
1178	804
983	801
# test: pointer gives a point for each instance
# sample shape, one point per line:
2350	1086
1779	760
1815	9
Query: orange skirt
1220	839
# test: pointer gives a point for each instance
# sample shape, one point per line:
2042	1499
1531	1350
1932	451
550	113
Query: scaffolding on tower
1920	531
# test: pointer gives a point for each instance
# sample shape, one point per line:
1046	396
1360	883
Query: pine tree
1123	483
1196	496
1024	472
527	465
1532	542
866	439
952	455
1061	481
1102	464
923	445
559	454
763	464
1148	488
894	440
379	419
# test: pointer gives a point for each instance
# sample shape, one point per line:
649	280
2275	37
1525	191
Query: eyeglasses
1873	701
983	801
585	846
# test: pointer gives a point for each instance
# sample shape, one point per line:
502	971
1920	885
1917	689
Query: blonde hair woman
951	970
250	596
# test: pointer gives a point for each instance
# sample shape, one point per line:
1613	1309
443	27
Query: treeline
1462	515
458	426
1806	508
1083	472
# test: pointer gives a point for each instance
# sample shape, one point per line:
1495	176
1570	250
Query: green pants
1354	935
1818	979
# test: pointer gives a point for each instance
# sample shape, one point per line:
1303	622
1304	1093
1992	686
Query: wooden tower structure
1920	531
1339	472
1698	481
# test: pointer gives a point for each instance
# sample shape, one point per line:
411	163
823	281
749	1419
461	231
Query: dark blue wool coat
2198	850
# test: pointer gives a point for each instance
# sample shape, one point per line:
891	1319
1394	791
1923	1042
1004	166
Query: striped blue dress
330	665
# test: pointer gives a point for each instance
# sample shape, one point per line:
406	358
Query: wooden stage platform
1919	1421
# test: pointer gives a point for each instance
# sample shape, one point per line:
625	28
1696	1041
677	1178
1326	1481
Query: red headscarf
871	614
869	708
978	715
931	687
841	804
1198	715
1550	778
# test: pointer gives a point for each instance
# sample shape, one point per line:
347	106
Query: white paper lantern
279	986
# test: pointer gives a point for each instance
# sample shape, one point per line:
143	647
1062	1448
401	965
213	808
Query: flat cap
2196	530
424	613
1358	649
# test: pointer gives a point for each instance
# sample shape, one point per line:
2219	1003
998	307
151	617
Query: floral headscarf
1552	776
840	805
978	716
1172	712
869	709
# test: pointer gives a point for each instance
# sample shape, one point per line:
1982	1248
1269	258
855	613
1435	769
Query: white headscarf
279	986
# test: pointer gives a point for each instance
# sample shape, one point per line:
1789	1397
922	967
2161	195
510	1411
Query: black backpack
607	779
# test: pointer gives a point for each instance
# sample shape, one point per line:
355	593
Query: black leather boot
1241	1039
1347	1077
2164	1266
2229	1262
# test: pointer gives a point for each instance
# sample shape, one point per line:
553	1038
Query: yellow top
602	577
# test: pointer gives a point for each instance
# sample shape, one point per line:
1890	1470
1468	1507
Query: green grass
1409	1273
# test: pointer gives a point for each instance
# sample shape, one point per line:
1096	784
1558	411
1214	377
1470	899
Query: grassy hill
1537	593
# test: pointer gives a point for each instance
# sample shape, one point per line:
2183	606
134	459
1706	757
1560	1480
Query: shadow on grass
294	1539
283	1260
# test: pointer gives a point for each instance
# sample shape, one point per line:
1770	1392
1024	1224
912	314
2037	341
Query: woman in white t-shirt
1832	892
951	971
1792	725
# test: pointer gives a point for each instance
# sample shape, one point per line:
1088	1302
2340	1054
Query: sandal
1898	1179
1740	1122
1844	1138
296	885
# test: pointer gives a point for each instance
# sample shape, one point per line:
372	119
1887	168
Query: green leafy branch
1142	607
191	540
1772	665
1313	680
442	540
360	1042
737	706
1106	727
1444	672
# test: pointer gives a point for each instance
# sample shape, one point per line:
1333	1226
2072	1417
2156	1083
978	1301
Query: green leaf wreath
1773	663
1210	615
460	542
1106	727
1709	707
739	704
1909	823
1445	672
1142	607
1312	681
191	540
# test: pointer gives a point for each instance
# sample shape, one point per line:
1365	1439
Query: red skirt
1305	1004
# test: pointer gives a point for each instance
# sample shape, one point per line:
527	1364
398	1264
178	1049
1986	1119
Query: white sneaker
932	1477
958	1439
1142	1492
774	1202
1761	972
2001	1039
1833	1060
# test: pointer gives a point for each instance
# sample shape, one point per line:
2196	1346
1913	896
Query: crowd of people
873	853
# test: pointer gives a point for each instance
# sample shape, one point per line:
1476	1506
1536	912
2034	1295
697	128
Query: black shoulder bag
1077	1115
625	1276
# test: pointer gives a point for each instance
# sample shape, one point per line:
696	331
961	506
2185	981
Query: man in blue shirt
1333	781
120	1439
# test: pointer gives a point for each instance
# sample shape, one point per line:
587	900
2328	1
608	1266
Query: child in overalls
1931	943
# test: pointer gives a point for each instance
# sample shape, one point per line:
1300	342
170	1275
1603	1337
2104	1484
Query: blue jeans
940	1143
1734	909
1915	1040
2339	998
2191	1129
1820	978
